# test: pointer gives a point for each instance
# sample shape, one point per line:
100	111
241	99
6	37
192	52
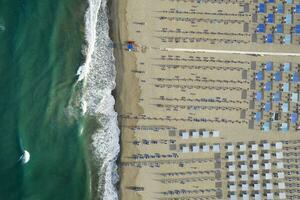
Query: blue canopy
289	1
294	97
288	19
297	9
279	28
268	86
259	96
130	46
261	8
280	8
260	76
269	66
287	39
277	76
268	106
266	126
285	107
269	38
284	127
271	1
295	77
286	87
270	18
294	117
277	97
286	67
258	116
261	28
297	29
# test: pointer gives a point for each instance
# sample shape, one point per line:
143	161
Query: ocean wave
97	75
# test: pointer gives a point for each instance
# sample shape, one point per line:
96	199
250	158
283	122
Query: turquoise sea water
40	52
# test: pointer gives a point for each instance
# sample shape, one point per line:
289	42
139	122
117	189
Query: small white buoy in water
26	157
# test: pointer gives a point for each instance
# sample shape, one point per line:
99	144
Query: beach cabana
286	67
254	157
255	167
270	18
278	145
205	134
205	148
216	148
216	134
242	147
266	127
259	96
231	158
268	106
258	116
277	96
281	185
230	148
268	86
260	75
267	156
288	19
284	127
280	175
185	135
233	197
244	168
282	195
195	134
266	146
286	87
297	29
245	187
294	97
279	28
246	196
270	195
232	178
285	107
185	149
195	149
289	1
269	66
261	28
243	157
279	155
268	176
256	187
295	77
271	1
256	176
261	8
254	147
279	165
294	118
287	39
269	38
297	9
257	196
277	76
268	186
267	166
231	168
280	8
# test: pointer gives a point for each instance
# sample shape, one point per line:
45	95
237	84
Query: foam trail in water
98	76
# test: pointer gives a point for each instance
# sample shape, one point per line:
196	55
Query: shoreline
117	21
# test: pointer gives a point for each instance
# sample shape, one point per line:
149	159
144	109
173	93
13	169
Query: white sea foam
98	77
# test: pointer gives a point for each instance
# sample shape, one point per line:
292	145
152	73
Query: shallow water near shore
41	45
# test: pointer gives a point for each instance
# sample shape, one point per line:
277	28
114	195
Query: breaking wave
97	78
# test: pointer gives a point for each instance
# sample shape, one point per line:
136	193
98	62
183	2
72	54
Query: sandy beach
197	124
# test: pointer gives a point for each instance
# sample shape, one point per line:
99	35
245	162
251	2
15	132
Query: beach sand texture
190	121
